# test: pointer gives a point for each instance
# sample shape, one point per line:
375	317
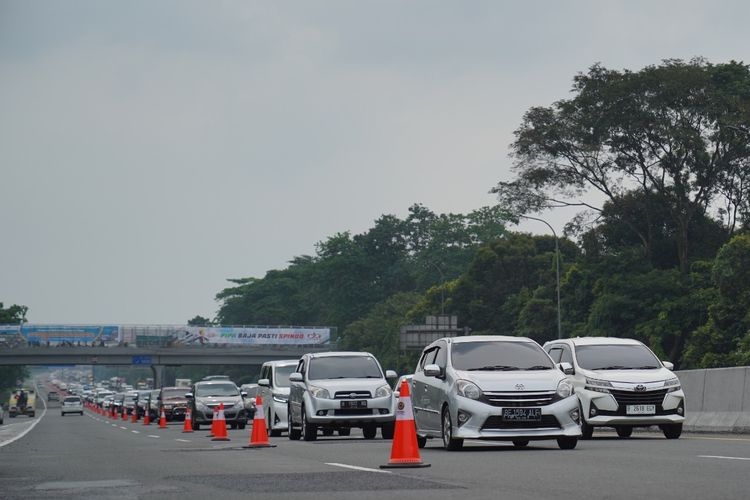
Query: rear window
72	399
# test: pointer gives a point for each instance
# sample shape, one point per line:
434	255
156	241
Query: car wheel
294	434
421	441
345	431
624	431
449	443
369	431
195	425
520	443
567	443
387	430
671	431
587	431
309	431
271	432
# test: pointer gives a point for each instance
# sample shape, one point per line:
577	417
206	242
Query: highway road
92	457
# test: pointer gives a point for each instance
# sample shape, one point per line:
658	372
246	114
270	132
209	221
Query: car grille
497	422
639	398
518	399
352	395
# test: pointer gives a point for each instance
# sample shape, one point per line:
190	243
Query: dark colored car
174	403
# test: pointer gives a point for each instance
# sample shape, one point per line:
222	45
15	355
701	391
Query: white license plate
640	409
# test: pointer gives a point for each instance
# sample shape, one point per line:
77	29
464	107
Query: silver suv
335	391
207	395
492	387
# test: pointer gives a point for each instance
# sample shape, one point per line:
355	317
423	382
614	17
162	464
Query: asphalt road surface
92	457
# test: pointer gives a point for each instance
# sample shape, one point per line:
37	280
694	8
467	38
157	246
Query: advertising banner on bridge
164	336
68	334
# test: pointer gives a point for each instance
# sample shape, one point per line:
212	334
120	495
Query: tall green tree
9	375
676	133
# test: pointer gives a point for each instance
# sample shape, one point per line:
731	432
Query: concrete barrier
717	400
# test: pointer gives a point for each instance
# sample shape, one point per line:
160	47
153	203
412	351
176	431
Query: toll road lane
97	457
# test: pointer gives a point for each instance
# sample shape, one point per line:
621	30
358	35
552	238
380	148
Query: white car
622	384
492	387
71	404
335	391
273	387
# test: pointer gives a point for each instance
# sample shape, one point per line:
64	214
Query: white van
274	389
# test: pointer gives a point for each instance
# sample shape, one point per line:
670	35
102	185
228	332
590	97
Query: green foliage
13	314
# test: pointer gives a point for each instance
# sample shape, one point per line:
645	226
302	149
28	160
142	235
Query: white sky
149	150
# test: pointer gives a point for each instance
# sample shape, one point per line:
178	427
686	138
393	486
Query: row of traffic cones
404	450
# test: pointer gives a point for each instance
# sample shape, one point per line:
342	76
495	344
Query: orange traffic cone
162	420
146	419
404	451
220	433
124	414
134	415
188	425
259	434
214	422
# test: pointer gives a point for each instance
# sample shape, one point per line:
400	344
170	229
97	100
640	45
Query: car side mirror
391	374
668	365
295	377
189	395
566	368
433	371
264	382
243	394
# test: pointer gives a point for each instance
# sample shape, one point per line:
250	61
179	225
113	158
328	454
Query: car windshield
329	367
616	357
493	355
282	374
228	389
173	393
72	400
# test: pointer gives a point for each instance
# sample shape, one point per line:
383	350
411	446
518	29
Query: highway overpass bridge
155	357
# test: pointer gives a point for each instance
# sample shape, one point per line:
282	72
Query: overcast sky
150	150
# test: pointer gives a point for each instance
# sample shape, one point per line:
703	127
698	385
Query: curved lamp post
557	263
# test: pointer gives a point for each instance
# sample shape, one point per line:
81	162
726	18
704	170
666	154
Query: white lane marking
136	432
358	468
123	428
153	436
183	440
114	425
723	458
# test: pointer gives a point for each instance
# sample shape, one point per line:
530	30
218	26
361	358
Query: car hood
349	384
536	380
216	400
626	377
175	401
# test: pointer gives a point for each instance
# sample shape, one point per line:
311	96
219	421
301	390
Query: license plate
522	414
640	409
354	404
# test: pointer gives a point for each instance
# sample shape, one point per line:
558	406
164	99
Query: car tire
449	442
567	442
294	434
271	431
387	430
421	441
520	443
587	431
195	425
345	431
309	431
369	431
624	431
671	431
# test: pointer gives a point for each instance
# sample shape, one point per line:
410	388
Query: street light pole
557	265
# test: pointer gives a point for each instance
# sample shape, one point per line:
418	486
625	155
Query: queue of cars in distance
621	383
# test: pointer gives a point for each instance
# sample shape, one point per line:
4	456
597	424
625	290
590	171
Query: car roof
213	382
340	354
281	362
599	341
485	338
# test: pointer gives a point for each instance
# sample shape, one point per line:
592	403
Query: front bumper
486	421
329	411
603	409
278	415
231	415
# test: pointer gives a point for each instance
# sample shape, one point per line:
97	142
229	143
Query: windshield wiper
538	367
615	367
493	368
646	367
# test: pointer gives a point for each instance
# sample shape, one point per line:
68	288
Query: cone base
404	465
260	446
186	432
219	439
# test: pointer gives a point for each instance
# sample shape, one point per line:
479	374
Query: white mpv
622	384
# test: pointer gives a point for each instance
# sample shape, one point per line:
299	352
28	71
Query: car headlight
319	392
383	391
597	385
564	389
468	389
673	384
